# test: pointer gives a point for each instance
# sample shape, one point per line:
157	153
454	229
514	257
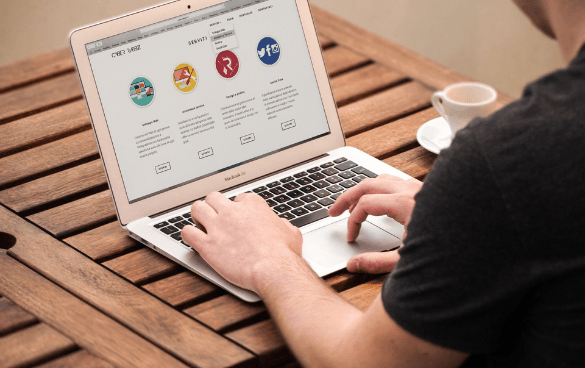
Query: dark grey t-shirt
494	261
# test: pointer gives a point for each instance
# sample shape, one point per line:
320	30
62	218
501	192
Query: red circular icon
227	64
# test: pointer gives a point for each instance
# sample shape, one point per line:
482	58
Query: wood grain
397	135
339	59
77	359
55	187
33	162
359	83
32	345
81	323
35	68
43	127
383	107
141	265
103	242
12	317
77	215
363	295
38	97
416	162
137	310
185	287
325	42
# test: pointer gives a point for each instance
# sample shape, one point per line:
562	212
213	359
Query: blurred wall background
489	40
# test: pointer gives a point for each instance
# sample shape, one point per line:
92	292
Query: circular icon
268	51
227	64
185	78
141	91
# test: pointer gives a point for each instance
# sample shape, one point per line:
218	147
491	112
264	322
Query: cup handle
437	101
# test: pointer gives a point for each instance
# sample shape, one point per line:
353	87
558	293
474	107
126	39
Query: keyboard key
282	208
340	160
278	190
326	202
304	181
300	175
322	193
330	172
348	184
177	236
287	215
187	216
271	203
311	217
358	179
313	207
176	219
328	164
182	224
299	211
282	198
317	176
314	170
335	196
273	184
295	203
321	184
169	230
347	174
309	198
266	195
161	224
334	179
259	189
366	172
287	179
295	194
308	189
335	188
291	186
346	165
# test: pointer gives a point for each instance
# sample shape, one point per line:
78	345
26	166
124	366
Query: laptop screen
195	95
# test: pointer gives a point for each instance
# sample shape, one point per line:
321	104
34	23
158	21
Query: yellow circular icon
185	78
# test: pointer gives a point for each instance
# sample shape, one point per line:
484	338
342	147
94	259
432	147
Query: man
492	271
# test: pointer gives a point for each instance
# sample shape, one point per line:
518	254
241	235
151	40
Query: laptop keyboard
301	198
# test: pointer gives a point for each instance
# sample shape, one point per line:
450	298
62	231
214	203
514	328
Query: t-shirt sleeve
459	272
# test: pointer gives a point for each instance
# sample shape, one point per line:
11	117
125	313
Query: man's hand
244	237
384	195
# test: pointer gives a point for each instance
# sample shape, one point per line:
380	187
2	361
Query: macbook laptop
191	97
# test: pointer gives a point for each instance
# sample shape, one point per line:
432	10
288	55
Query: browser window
192	96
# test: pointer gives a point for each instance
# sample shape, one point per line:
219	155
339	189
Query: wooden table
76	291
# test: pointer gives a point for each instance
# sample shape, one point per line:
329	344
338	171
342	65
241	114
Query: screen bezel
128	212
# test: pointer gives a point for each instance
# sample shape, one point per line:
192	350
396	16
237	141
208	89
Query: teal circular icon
141	91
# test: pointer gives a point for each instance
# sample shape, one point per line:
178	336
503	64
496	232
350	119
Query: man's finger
203	213
374	262
392	205
194	237
217	201
368	186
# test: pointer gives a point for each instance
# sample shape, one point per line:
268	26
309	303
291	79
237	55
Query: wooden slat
77	215
416	162
77	359
380	142
63	184
382	107
141	265
103	242
122	301
35	68
32	345
363	295
39	96
185	287
339	59
35	161
83	324
388	53
44	127
12	317
362	82
325	42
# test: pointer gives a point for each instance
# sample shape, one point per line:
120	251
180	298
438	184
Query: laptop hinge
242	184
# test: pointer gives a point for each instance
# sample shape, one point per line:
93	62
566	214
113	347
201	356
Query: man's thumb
374	262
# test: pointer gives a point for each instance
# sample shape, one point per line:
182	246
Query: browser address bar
173	21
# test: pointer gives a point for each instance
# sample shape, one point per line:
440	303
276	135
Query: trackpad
328	246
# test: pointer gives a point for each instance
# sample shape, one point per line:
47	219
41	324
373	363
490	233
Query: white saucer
434	135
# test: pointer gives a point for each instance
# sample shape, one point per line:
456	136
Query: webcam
188	6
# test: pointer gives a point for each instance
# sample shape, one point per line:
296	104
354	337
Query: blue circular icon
268	51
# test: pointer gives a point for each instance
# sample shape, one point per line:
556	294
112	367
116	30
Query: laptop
190	97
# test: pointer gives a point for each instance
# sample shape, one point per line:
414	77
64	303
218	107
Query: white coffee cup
459	103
